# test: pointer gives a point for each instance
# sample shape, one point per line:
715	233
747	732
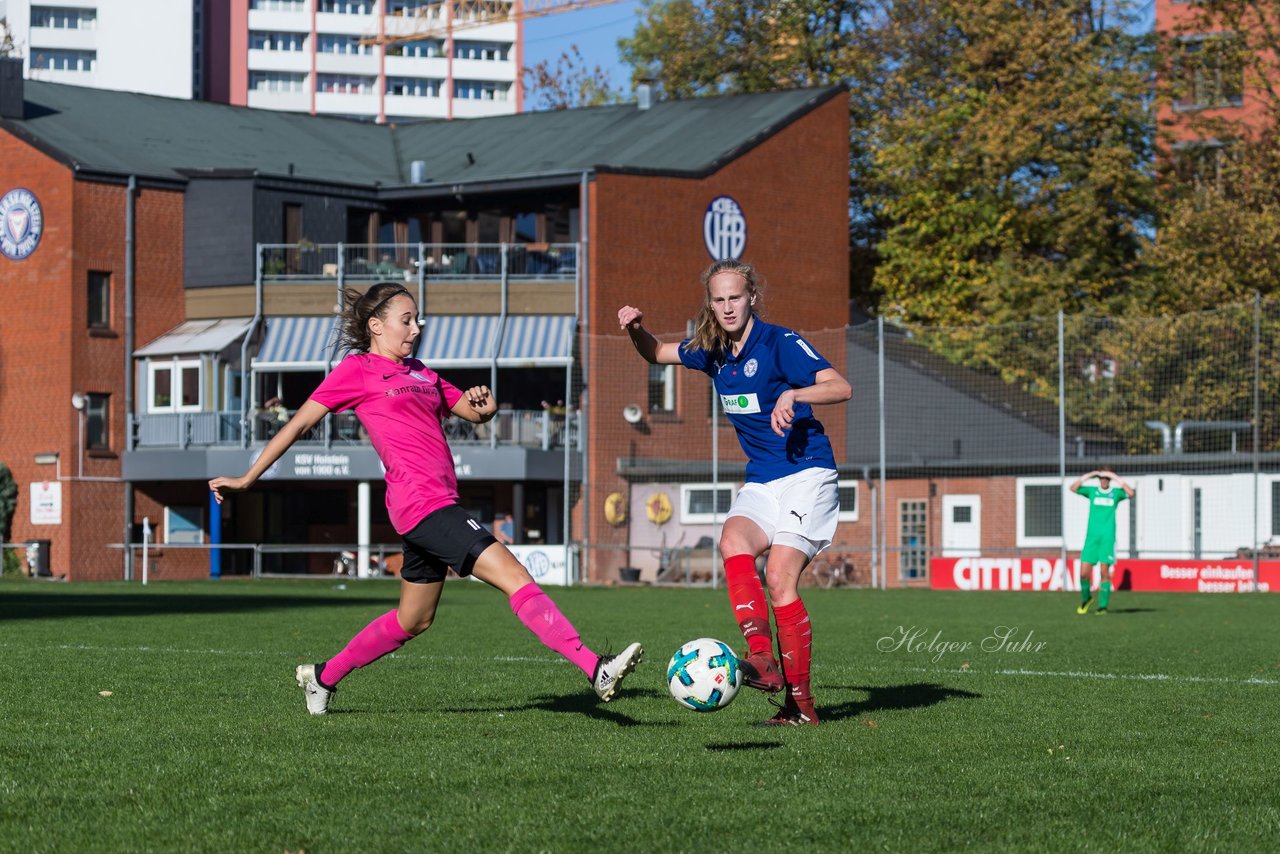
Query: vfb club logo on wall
21	223
724	229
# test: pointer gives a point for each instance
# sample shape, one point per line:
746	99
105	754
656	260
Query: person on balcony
401	402
768	379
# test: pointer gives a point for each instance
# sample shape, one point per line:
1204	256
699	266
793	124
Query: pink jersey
401	405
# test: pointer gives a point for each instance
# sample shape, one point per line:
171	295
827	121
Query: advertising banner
1232	575
547	564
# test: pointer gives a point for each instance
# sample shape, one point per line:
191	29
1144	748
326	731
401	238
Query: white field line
169	650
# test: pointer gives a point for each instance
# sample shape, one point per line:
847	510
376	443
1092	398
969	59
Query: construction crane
443	19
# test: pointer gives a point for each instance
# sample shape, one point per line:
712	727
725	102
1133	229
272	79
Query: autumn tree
568	83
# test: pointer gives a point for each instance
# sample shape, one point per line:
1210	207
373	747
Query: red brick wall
648	251
47	352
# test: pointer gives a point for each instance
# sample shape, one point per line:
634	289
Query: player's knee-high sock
795	640
541	616
375	640
746	595
1104	595
1085	584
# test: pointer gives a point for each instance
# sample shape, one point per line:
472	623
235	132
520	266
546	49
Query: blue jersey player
768	379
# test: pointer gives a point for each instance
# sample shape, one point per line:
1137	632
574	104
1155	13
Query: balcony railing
524	428
405	261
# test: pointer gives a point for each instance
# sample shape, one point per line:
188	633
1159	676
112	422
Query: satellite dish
79	401
631	413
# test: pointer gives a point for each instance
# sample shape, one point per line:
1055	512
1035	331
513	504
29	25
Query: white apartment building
150	46
293	55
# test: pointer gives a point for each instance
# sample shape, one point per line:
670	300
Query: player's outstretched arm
307	416
654	351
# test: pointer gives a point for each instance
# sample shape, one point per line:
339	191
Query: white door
961	525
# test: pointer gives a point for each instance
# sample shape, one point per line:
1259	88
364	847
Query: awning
470	341
297	344
544	340
198	336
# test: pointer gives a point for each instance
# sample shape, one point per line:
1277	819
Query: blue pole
215	537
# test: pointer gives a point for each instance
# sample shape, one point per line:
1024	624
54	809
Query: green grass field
1150	728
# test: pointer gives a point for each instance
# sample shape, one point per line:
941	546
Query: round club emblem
750	367
21	224
724	229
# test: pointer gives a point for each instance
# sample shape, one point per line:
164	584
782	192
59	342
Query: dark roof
124	133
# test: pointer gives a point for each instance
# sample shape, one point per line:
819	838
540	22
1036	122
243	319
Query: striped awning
297	344
472	341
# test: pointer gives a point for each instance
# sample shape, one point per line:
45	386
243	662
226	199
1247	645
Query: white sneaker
317	695
611	669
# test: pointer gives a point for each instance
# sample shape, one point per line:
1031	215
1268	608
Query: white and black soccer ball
703	675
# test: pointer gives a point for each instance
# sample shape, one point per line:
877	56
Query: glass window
1210	72
346	7
175	386
60	18
289	42
99	300
183	524
662	388
847	493
422	49
703	503
480	90
97	424
343	45
1042	514
415	87
913	539
64	60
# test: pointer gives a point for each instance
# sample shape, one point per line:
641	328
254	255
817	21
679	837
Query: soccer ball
703	675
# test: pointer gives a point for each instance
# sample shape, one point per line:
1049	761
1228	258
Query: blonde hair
708	334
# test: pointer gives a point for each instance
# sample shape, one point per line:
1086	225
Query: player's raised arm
1075	487
828	387
307	416
654	351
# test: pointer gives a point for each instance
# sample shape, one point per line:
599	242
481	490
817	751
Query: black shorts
446	539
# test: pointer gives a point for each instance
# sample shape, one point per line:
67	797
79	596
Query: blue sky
595	32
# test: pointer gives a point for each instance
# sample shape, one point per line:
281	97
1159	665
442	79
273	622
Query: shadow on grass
727	747
583	703
1133	611
894	697
37	606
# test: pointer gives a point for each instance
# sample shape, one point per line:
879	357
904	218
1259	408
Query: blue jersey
772	360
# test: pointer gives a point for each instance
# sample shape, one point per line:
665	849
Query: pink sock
536	610
375	640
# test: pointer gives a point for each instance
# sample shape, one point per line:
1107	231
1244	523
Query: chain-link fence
959	446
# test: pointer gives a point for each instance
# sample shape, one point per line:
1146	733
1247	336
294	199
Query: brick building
187	264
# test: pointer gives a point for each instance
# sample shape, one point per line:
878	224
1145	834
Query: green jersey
1102	511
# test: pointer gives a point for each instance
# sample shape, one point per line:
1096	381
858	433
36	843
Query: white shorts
800	510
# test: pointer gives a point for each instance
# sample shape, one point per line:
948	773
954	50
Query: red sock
746	595
795	640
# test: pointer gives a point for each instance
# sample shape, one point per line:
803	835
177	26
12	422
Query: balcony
356	263
530	429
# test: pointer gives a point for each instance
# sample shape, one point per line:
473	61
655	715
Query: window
662	388
64	60
487	51
97	423
424	49
913	538
962	514
345	84
59	18
1275	508
414	87
277	81
344	45
175	386
480	90
847	492
288	42
703	503
427	9
183	525
276	5
1039	511
99	300
1210	73
345	7
1203	163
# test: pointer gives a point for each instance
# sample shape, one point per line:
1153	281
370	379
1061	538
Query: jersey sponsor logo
1104	501
21	223
724	229
804	346
751	367
418	376
740	404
